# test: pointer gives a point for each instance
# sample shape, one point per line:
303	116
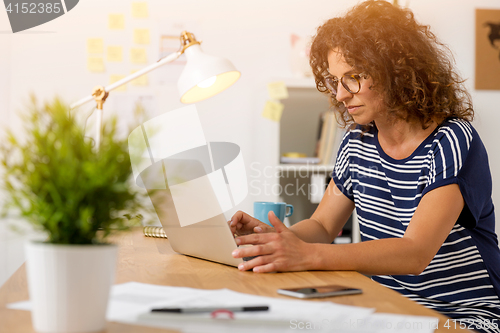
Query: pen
212	309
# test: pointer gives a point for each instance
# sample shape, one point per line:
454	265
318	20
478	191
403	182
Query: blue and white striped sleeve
461	158
450	147
341	174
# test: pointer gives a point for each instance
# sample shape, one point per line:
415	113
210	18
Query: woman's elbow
419	265
415	257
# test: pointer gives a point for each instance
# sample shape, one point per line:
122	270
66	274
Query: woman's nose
342	93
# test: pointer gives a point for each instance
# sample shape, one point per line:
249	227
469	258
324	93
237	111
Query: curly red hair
412	70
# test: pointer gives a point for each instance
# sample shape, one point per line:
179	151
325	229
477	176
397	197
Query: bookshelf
304	167
298	132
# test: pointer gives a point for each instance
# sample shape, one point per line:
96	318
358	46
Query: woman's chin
360	121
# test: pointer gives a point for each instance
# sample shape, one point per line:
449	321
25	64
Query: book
322	135
327	132
330	140
154	231
338	139
318	137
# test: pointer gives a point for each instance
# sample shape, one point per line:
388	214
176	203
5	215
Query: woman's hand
276	252
243	224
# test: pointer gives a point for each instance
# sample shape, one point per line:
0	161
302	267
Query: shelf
305	167
301	185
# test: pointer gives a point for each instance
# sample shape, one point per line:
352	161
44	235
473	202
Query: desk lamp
203	76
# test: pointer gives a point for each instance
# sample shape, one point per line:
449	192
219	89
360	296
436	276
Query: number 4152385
471	324
34	8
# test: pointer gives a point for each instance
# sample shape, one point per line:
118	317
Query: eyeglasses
351	83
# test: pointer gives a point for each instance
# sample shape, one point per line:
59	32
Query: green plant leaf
58	182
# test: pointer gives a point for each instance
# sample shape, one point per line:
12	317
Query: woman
411	164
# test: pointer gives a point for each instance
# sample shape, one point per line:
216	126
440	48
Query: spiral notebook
154	231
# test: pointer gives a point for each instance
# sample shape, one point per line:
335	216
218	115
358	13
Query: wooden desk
152	260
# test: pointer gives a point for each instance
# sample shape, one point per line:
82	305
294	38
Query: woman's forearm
393	256
311	231
328	219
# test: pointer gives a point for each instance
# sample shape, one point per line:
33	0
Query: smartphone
324	291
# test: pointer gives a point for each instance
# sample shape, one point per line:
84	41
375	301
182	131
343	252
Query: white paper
132	302
277	319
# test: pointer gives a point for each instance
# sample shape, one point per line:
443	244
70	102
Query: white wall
50	60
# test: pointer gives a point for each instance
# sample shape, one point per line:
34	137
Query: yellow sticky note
138	55
277	90
273	110
95	64
115	77
116	22
140	81
141	36
95	46
115	54
140	9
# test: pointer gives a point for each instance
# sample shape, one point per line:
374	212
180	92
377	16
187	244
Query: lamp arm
171	57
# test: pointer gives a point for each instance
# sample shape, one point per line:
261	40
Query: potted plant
77	195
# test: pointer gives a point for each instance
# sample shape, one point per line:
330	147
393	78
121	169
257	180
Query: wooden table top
152	260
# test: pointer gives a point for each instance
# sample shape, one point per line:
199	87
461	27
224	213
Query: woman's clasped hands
276	249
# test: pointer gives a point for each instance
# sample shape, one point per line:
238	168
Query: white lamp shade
204	75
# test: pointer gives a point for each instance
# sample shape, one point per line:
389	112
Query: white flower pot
69	285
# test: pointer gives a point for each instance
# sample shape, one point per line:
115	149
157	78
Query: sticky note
273	110
115	77
139	9
95	64
116	22
141	36
95	46
141	81
277	90
115	54
138	55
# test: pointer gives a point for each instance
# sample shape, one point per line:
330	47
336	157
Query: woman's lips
353	108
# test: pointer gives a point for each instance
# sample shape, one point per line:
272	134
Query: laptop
209	239
191	182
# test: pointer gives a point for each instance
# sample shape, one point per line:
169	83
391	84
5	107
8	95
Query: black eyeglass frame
332	83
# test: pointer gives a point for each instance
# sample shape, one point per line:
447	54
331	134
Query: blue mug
262	208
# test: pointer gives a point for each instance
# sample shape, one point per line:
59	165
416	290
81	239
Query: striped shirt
463	278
